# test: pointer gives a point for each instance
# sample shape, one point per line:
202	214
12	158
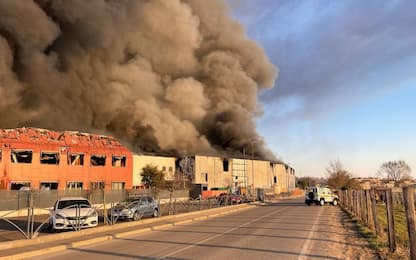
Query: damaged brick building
69	160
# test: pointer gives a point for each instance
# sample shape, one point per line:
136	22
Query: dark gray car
135	208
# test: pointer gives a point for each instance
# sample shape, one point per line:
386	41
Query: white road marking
218	235
305	250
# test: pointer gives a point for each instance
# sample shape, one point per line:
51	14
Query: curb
35	252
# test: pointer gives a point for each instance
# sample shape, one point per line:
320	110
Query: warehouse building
241	175
34	158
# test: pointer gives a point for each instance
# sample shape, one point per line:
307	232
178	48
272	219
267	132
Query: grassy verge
380	243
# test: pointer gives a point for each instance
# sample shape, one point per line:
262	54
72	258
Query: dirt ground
340	238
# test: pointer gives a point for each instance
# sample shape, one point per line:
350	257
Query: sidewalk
58	242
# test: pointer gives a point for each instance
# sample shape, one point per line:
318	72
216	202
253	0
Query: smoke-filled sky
314	81
160	75
347	81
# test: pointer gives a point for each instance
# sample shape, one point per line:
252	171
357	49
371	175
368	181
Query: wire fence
34	207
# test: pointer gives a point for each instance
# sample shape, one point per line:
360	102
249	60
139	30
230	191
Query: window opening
76	159
170	169
73	185
48	186
20	185
275	179
98	160
164	168
225	165
119	161
206	177
0	155
21	156
49	158
98	185
117	185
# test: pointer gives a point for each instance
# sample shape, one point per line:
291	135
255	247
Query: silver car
135	208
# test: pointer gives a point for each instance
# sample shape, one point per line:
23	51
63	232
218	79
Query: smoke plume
160	75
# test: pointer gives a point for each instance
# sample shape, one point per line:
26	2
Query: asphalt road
284	230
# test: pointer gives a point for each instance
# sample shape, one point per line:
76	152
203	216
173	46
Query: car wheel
322	202
136	216
155	213
335	202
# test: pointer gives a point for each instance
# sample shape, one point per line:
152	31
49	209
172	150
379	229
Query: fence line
362	205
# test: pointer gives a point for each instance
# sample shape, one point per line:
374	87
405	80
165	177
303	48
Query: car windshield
73	203
132	200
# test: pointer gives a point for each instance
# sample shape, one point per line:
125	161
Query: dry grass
380	243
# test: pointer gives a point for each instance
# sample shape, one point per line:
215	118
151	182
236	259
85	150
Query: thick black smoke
161	75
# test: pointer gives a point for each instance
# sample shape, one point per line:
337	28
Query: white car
72	213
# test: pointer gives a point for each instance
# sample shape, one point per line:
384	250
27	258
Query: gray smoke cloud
173	75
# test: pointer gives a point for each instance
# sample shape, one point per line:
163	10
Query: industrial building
33	158
243	175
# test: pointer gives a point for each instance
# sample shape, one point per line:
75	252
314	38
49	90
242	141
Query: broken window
117	185
97	185
98	160
20	186
49	157
76	159
119	161
225	164
21	156
48	186
74	185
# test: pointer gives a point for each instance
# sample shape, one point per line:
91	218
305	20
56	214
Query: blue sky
346	85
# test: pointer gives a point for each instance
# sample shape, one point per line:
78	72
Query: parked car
72	213
320	196
135	208
228	199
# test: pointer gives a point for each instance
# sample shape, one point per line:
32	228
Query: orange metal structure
43	159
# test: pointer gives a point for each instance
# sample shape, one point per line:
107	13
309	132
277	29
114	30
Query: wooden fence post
351	200
363	207
355	203
409	205
359	211
374	211
369	209
390	220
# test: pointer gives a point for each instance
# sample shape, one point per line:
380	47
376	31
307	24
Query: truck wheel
335	202
155	213
322	202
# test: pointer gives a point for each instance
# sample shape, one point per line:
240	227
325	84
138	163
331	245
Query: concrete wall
167	164
209	170
242	173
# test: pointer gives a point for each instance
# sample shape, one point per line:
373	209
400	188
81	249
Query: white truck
320	196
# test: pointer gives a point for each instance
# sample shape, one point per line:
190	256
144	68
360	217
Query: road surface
284	230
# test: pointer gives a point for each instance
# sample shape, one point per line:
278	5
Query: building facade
164	163
237	174
33	158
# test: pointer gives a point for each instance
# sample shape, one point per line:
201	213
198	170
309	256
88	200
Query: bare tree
395	170
339	177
